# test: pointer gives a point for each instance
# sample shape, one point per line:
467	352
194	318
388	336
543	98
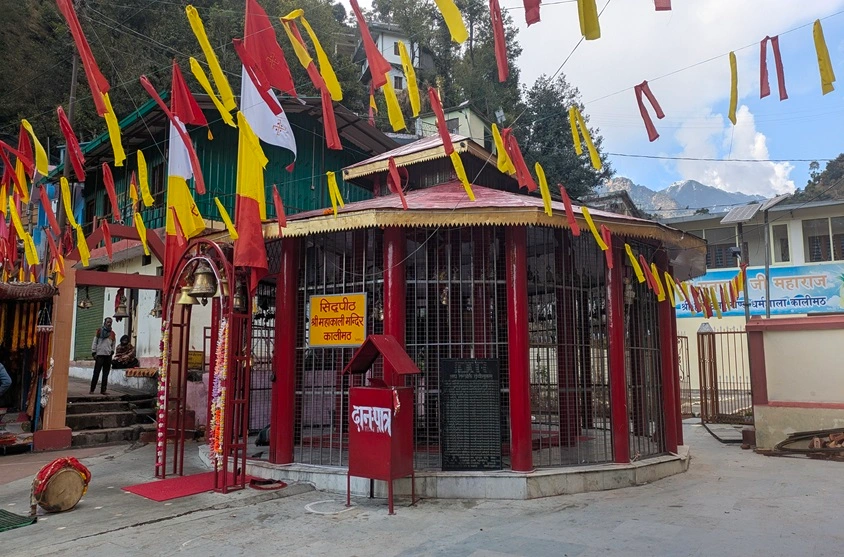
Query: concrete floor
730	502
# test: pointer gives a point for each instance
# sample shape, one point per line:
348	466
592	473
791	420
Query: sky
691	43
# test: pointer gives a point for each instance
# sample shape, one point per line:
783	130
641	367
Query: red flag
575	228
108	181
313	72
523	175
96	81
258	77
532	11
180	234
279	208
183	104
107	239
378	65
394	182
662	5
24	152
733	294
74	151
648	275
332	138
261	43
723	298
500	40
606	234
643	87
199	181
54	252
764	86
9	172
48	210
437	107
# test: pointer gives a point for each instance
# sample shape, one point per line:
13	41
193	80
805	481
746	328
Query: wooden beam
156	246
108	279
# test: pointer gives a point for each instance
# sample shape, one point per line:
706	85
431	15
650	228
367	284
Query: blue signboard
794	290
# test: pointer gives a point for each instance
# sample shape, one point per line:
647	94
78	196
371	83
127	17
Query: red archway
231	340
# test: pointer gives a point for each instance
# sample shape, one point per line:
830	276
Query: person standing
102	349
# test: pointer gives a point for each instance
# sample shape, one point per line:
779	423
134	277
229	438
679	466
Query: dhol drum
60	485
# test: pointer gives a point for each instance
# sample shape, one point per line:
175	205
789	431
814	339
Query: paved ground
731	502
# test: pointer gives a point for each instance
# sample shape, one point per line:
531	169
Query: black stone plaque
470	414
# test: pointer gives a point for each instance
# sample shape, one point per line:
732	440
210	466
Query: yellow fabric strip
58	267
594	229
4	199
670	288
199	74
41	162
660	290
410	75
325	69
453	20
714	299
180	198
334	192
28	244
688	295
142	232
576	119
226	219
143	180
82	245
393	107
216	71
740	281
301	53
587	12
824	63
457	163
20	171
733	88
67	202
543	189
114	132
251	162
504	163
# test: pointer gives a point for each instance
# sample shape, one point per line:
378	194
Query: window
816	240
779	239
396	50
453	125
397	83
837	238
719	241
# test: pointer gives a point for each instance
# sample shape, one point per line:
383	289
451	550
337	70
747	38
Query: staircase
107	419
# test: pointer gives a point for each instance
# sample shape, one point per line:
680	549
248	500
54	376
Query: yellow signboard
196	359
337	320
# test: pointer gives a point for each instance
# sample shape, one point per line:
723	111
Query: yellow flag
199	74
713	297
143	180
740	282
453	20
216	71
670	287
504	162
227	220
20	171
457	163
660	290
58	267
325	69
4	197
587	12
410	75
824	63
733	88
41	162
82	244
588	217
28	244
334	192
114	132
67	202
302	54
543	189
576	119
251	162
180	198
393	108
142	232
640	276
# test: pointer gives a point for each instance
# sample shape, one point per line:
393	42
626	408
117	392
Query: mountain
645	198
695	195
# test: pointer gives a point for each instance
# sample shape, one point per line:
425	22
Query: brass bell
240	299
85	303
122	310
204	281
186	299
222	288
157	310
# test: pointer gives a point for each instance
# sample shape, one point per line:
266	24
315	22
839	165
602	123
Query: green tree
825	185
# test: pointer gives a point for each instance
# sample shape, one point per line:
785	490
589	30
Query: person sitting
124	354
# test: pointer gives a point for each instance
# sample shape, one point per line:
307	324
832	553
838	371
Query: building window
816	240
397	83
396	50
837	238
453	125
779	235
719	241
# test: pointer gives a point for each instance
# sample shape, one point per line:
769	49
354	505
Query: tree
825	185
544	134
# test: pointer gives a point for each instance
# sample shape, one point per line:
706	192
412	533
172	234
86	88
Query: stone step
111	435
100	420
100	406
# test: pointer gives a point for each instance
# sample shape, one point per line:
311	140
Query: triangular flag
410	75
575	228
67	202
226	219
637	269
588	217
143	180
543	189
82	245
142	232
226	95
453	20
108	181
279	208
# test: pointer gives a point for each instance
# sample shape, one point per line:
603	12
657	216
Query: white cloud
723	140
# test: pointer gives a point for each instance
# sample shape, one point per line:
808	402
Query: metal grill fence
724	377
263	348
687	396
570	404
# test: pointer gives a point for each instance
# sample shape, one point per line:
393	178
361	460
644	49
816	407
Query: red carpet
175	487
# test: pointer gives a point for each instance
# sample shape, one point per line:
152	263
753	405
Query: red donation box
381	418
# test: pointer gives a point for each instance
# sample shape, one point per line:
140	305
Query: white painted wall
802	366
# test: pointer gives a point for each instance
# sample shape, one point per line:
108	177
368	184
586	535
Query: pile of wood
832	441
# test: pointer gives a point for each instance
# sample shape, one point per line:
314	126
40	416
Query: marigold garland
164	346
218	393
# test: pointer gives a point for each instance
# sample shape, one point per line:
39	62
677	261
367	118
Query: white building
386	37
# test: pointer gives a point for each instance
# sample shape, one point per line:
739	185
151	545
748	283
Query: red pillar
283	409
518	357
395	293
667	349
618	376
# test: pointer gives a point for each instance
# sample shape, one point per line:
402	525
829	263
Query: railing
724	378
687	395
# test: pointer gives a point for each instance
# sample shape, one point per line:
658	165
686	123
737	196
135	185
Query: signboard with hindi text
795	289
337	320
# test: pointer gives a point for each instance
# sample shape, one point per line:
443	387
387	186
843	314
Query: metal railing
684	372
724	377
